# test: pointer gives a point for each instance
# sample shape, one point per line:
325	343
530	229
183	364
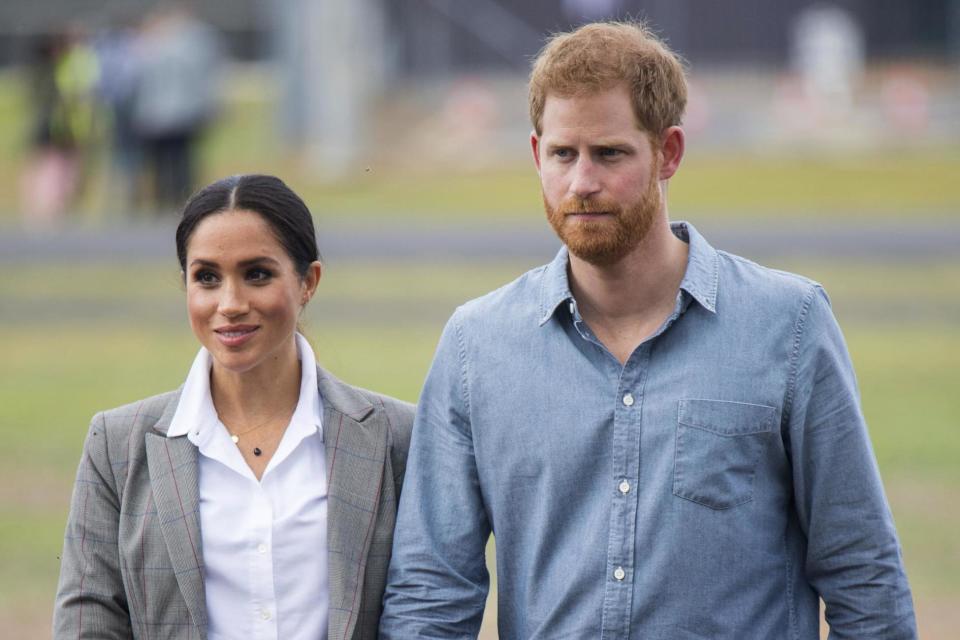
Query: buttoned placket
243	549
257	557
260	556
622	539
621	543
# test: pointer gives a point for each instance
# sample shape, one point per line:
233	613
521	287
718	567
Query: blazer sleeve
401	422
91	601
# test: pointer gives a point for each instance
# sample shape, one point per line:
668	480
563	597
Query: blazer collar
337	397
174	480
340	397
355	440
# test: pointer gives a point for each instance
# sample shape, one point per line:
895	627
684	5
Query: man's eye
563	153
611	153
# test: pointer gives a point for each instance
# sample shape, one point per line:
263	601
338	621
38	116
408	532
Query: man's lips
236	334
588	215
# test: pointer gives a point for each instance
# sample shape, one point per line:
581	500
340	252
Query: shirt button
624	487
628	400
619	573
262	548
265	614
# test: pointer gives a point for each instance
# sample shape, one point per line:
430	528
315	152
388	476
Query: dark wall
440	36
21	21
704	31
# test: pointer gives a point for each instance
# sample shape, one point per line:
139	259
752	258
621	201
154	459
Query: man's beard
607	240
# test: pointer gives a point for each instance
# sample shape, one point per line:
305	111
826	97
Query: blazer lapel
355	440
174	480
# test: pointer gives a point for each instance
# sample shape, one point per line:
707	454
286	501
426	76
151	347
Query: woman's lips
235	336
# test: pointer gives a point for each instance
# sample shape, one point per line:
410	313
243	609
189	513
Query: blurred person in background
118	60
63	74
177	96
258	499
665	439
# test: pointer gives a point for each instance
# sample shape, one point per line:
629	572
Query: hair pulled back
269	197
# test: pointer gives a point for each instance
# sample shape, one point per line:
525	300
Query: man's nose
585	181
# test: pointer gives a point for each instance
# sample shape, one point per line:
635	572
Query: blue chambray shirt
712	487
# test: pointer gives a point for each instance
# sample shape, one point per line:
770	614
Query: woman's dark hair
282	209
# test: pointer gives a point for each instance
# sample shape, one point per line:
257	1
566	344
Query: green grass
928	527
908	382
58	370
877	183
854	185
920	284
52	382
30	544
868	184
76	340
140	283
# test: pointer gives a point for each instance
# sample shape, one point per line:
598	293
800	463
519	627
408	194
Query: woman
259	499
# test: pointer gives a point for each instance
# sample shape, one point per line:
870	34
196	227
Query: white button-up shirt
264	542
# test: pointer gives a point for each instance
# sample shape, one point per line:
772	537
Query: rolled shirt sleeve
438	580
853	556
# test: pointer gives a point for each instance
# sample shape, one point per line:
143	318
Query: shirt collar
309	411
195	408
554	286
703	266
699	280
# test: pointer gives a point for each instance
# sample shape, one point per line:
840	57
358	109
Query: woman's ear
310	281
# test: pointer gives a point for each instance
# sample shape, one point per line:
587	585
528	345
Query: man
665	438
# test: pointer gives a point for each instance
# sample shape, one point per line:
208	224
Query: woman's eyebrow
251	261
243	263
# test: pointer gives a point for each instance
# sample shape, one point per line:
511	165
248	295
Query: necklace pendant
235	439
256	451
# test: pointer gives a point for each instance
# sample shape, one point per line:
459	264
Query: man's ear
672	146
535	146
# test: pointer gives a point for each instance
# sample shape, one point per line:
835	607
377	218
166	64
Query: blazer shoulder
398	413
136	417
398	416
111	444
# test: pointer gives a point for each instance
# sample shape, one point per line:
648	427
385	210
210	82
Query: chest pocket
719	444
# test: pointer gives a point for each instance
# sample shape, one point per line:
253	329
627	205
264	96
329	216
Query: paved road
889	241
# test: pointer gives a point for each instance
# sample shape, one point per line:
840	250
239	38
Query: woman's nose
233	302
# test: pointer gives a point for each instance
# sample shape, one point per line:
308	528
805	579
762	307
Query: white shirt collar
196	416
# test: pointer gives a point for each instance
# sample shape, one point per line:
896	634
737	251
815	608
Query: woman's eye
205	277
259	275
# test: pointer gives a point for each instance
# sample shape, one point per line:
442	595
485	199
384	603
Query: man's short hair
602	55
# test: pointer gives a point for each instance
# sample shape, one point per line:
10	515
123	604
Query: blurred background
822	138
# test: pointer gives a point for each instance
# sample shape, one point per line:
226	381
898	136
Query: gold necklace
235	436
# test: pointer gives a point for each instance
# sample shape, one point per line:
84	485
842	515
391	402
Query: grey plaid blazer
132	564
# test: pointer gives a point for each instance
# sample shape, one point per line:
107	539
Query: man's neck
626	302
